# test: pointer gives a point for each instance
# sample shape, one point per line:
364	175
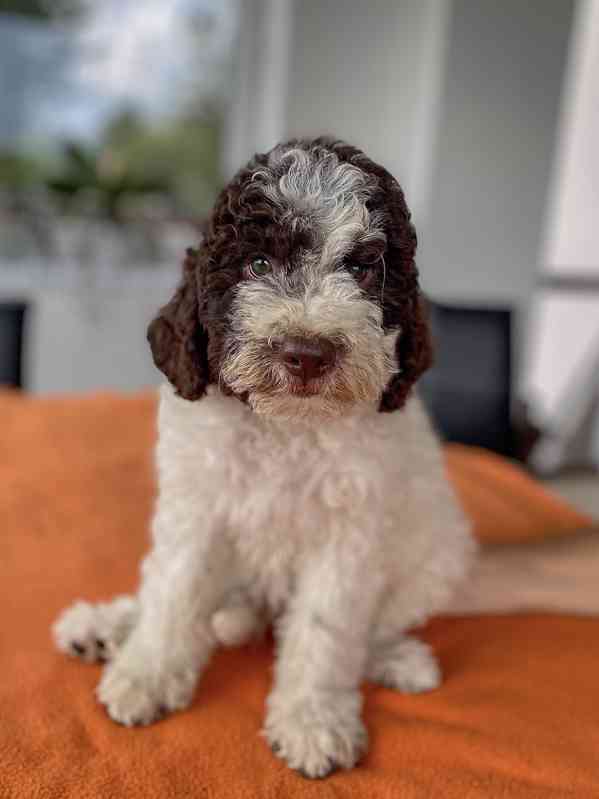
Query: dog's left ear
178	340
404	306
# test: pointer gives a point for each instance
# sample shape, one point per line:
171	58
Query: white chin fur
317	406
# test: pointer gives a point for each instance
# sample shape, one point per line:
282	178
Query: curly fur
314	510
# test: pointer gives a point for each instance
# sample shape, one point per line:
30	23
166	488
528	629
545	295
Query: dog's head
303	297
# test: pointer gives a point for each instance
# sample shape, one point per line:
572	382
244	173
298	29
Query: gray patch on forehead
315	185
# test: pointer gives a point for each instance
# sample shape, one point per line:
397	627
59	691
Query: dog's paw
136	696
409	666
317	740
77	632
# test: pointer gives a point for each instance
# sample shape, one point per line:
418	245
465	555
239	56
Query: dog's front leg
157	669
313	720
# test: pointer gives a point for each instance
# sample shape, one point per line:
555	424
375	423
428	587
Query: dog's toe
76	633
313	747
127	701
134	696
94	632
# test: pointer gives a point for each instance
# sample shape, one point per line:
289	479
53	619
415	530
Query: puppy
299	480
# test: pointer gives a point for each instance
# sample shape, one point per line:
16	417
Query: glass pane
111	126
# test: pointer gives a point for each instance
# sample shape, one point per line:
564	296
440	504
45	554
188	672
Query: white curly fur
345	532
331	191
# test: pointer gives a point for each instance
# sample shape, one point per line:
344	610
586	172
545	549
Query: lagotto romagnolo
299	480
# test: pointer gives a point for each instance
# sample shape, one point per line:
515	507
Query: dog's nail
78	648
102	659
100	643
275	747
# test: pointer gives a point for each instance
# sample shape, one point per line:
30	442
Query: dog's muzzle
307	359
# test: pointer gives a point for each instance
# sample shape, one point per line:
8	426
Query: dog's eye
258	267
361	273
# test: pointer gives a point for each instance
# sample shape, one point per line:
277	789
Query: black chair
468	389
12	316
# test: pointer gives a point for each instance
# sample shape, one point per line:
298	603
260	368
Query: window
112	124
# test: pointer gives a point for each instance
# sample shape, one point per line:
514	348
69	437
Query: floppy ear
404	306
177	339
414	354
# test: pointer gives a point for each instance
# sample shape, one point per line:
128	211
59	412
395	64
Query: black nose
308	358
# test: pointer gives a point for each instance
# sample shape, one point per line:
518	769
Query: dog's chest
284	489
280	492
282	486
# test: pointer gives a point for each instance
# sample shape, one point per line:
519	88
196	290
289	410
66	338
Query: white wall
505	64
85	327
257	115
370	73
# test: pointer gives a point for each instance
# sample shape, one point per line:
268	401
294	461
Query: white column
258	113
571	231
561	375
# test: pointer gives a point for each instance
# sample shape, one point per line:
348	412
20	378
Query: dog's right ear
178	341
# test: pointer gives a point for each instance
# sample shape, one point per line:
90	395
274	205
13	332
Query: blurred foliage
18	171
131	167
140	171
135	167
184	152
102	175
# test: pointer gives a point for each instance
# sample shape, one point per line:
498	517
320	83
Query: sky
141	52
124	53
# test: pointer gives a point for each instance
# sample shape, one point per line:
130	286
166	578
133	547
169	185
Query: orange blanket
517	715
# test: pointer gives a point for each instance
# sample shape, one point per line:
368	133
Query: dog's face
303	298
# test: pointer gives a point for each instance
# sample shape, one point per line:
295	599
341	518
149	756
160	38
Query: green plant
106	174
